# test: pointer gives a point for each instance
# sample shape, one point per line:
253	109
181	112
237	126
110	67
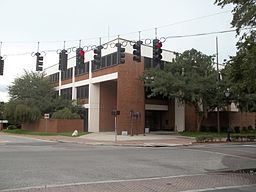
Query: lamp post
227	95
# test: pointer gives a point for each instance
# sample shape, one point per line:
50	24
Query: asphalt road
26	162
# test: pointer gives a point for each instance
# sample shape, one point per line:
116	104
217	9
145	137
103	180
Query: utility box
146	130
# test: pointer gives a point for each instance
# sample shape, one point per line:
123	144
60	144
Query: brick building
101	89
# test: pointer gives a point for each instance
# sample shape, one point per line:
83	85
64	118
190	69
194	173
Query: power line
128	33
177	23
163	39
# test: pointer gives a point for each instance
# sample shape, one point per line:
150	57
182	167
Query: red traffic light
159	45
81	53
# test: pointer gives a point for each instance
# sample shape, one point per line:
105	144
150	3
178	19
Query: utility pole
217	62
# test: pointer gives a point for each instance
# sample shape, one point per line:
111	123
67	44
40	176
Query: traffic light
120	53
79	57
63	60
137	51
1	66
97	55
157	50
39	62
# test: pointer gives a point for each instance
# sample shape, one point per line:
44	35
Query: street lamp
227	95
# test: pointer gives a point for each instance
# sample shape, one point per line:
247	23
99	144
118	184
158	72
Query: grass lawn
25	132
214	134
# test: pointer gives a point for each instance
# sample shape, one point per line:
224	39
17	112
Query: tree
244	13
2	110
32	95
33	88
65	113
242	74
191	79
242	66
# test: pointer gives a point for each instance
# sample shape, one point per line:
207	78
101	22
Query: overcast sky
51	22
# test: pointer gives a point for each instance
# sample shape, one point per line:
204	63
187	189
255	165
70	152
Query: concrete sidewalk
156	140
109	139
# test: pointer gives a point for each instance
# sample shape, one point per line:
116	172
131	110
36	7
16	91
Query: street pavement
110	139
30	164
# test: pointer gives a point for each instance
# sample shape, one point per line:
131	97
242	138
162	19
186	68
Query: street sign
115	112
3	121
46	116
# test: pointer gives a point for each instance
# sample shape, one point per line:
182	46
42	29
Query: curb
125	145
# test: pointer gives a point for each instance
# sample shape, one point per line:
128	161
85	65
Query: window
147	62
82	92
56	94
106	61
66	93
80	70
67	74
54	77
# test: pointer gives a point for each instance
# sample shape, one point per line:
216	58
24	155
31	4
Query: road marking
225	154
219	188
249	145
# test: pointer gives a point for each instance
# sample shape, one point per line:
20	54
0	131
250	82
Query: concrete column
73	85
94	107
179	116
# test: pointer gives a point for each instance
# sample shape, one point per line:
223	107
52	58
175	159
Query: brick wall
67	81
227	119
54	125
130	96
104	71
108	100
190	118
230	119
82	77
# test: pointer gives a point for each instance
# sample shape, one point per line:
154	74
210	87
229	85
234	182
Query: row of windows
79	70
54	78
106	61
66	93
82	92
66	74
148	63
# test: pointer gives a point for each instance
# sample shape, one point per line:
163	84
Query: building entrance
158	121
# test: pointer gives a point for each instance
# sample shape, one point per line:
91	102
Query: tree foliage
2	110
242	66
32	95
33	88
190	78
244	13
242	74
65	113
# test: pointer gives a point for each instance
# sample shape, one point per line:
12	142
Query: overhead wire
122	34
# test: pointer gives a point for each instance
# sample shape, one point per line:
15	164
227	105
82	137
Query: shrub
237	129
244	129
250	128
65	113
11	127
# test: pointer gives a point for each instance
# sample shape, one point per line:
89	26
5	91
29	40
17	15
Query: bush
11	127
250	128
202	139
65	113
237	129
